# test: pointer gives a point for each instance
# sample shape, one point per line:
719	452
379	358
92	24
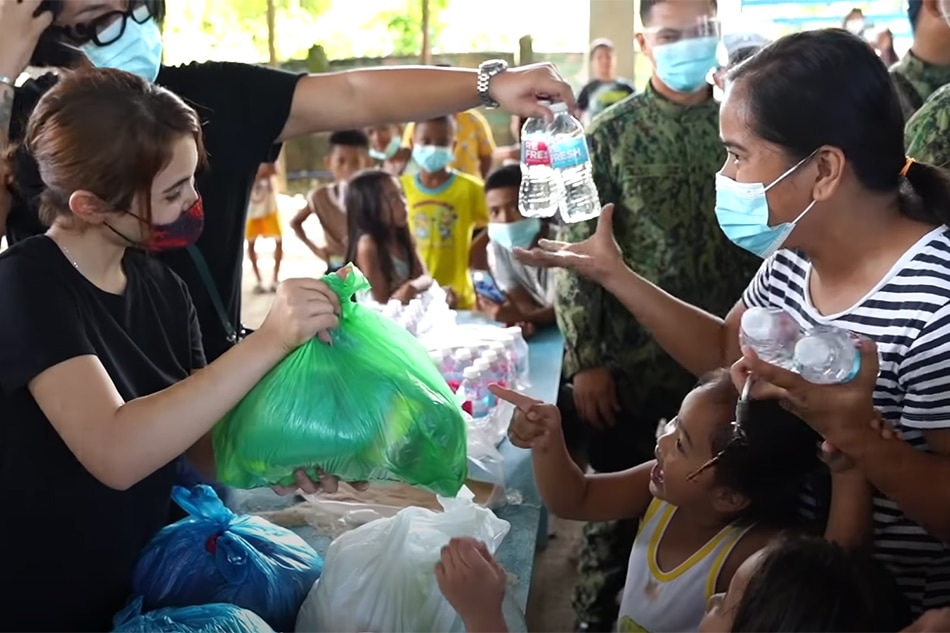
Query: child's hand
534	425
472	581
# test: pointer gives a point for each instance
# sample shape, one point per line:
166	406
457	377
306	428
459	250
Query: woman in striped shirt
853	234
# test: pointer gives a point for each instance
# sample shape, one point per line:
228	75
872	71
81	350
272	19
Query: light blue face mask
389	152
742	209
432	158
683	65
138	51
512	235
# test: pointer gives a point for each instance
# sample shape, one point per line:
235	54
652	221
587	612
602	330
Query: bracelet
7	81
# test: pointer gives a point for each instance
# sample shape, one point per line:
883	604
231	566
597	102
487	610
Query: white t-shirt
509	273
908	315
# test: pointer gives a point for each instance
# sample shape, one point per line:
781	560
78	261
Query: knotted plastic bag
370	407
216	556
380	576
206	618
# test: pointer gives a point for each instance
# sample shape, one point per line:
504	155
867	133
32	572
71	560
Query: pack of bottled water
823	354
469	356
556	170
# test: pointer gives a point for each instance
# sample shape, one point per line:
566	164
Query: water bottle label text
535	153
570	153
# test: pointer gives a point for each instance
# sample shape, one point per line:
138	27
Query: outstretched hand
598	257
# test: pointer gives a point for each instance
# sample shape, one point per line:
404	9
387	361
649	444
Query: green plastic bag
371	407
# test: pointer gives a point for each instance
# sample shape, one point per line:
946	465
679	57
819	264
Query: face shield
684	53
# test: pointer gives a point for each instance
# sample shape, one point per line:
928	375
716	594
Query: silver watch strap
8	81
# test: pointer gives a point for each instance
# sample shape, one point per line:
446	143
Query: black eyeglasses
107	28
736	431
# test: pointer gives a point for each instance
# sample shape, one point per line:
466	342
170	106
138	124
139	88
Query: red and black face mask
181	232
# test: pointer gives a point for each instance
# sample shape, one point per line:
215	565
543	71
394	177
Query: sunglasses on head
737	434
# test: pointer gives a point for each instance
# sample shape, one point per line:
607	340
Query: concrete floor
549	607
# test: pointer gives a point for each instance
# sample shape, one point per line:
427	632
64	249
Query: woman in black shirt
102	378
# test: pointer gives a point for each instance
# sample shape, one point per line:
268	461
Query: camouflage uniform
927	135
915	80
655	160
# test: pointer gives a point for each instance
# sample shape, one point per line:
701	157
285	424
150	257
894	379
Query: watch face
494	65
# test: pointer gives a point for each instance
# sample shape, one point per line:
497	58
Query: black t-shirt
243	109
69	542
598	95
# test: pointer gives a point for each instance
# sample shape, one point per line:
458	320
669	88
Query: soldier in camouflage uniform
654	155
926	66
927	134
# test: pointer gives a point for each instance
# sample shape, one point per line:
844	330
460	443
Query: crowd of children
405	230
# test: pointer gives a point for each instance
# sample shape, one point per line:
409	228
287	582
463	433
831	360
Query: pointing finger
520	400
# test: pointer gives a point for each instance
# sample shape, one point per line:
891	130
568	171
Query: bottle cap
559	107
438	355
463	354
482	365
471	373
490	356
545	102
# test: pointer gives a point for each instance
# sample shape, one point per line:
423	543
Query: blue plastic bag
207	618
217	556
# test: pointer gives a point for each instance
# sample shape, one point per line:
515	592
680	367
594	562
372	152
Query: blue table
528	519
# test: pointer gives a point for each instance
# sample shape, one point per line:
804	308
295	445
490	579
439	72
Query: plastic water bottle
484	366
519	352
772	333
473	391
439	357
827	355
501	363
461	360
538	196
570	160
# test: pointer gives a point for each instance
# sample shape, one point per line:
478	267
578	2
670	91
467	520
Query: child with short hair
385	148
446	208
380	242
528	290
716	493
349	153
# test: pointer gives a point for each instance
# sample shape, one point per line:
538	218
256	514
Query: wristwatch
486	72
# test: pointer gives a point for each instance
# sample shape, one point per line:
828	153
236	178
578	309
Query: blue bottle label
569	153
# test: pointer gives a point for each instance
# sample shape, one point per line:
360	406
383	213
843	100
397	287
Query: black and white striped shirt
908	315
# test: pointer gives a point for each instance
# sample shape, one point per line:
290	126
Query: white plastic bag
380	576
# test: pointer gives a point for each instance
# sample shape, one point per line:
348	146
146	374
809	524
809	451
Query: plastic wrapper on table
217	556
205	618
380	576
369	407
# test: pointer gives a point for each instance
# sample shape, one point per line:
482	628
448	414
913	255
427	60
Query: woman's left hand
518	90
324	483
826	408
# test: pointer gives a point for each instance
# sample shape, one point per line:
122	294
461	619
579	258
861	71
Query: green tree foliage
405	27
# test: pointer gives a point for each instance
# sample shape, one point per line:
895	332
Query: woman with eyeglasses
854	234
242	128
247	111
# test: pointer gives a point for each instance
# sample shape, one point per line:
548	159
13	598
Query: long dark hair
827	87
810	584
366	210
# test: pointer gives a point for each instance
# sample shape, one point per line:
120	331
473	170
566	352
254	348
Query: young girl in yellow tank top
716	494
